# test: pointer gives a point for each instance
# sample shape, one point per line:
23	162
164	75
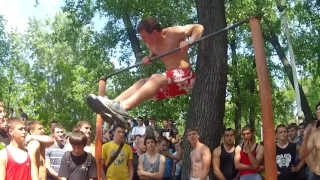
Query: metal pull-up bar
191	44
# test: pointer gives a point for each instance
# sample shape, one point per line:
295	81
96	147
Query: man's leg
127	93
147	91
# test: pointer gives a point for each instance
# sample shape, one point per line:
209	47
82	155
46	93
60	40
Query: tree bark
237	111
135	44
207	105
273	39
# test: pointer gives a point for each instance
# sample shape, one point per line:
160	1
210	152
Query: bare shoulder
204	148
3	154
260	147
162	158
217	150
238	148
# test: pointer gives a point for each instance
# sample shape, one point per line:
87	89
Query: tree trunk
237	111
135	44
273	39
207	106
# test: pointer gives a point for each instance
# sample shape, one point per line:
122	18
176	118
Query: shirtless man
311	142
37	143
178	78
248	156
200	157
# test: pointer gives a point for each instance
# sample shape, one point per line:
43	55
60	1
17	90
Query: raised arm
256	161
216	164
33	147
237	162
47	141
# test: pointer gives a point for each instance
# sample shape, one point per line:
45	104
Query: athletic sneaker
114	105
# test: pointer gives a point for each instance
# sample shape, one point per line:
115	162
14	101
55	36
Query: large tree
207	106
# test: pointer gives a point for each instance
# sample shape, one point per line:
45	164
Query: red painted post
265	100
99	124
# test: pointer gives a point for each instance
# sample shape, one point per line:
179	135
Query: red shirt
244	159
17	171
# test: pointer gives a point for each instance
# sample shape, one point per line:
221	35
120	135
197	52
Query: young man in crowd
248	156
54	153
4	136
153	129
85	127
23	115
122	167
15	161
138	130
312	142
168	133
78	164
162	148
151	163
223	158
37	143
285	154
141	149
200	157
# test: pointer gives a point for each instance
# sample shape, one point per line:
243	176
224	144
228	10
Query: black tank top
285	159
227	166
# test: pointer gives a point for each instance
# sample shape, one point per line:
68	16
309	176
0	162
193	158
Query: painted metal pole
265	100
99	125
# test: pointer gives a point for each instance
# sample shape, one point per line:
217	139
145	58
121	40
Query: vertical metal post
265	100
99	124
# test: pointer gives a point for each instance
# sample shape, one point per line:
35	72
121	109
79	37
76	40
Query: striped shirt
54	153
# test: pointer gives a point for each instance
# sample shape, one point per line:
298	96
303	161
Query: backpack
68	157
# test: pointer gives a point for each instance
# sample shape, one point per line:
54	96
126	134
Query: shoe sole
99	108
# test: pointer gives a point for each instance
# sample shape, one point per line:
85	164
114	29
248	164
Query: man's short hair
116	126
81	123
303	124
78	138
31	124
12	122
280	126
192	129
247	127
229	129
293	125
161	139
149	24
57	125
149	138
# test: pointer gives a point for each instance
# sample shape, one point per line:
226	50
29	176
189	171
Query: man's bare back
197	163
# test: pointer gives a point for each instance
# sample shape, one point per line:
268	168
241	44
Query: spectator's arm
256	161
155	175
307	145
3	166
47	141
131	170
216	164
33	147
206	161
50	171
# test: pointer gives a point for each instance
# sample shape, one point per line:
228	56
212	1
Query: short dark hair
12	122
149	24
150	138
117	125
247	127
229	129
138	135
31	124
192	129
161	139
280	126
146	122
57	125
292	125
78	138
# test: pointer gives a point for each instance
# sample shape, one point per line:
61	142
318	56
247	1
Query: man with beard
248	156
54	153
223	158
200	157
37	143
85	127
151	163
312	142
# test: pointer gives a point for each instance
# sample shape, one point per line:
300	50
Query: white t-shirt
138	130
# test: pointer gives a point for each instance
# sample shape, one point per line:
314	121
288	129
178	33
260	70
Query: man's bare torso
196	162
171	41
317	152
41	163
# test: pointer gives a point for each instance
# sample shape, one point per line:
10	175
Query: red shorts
180	81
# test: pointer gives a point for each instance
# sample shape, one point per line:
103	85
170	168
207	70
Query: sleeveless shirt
151	168
285	159
227	166
244	159
17	171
